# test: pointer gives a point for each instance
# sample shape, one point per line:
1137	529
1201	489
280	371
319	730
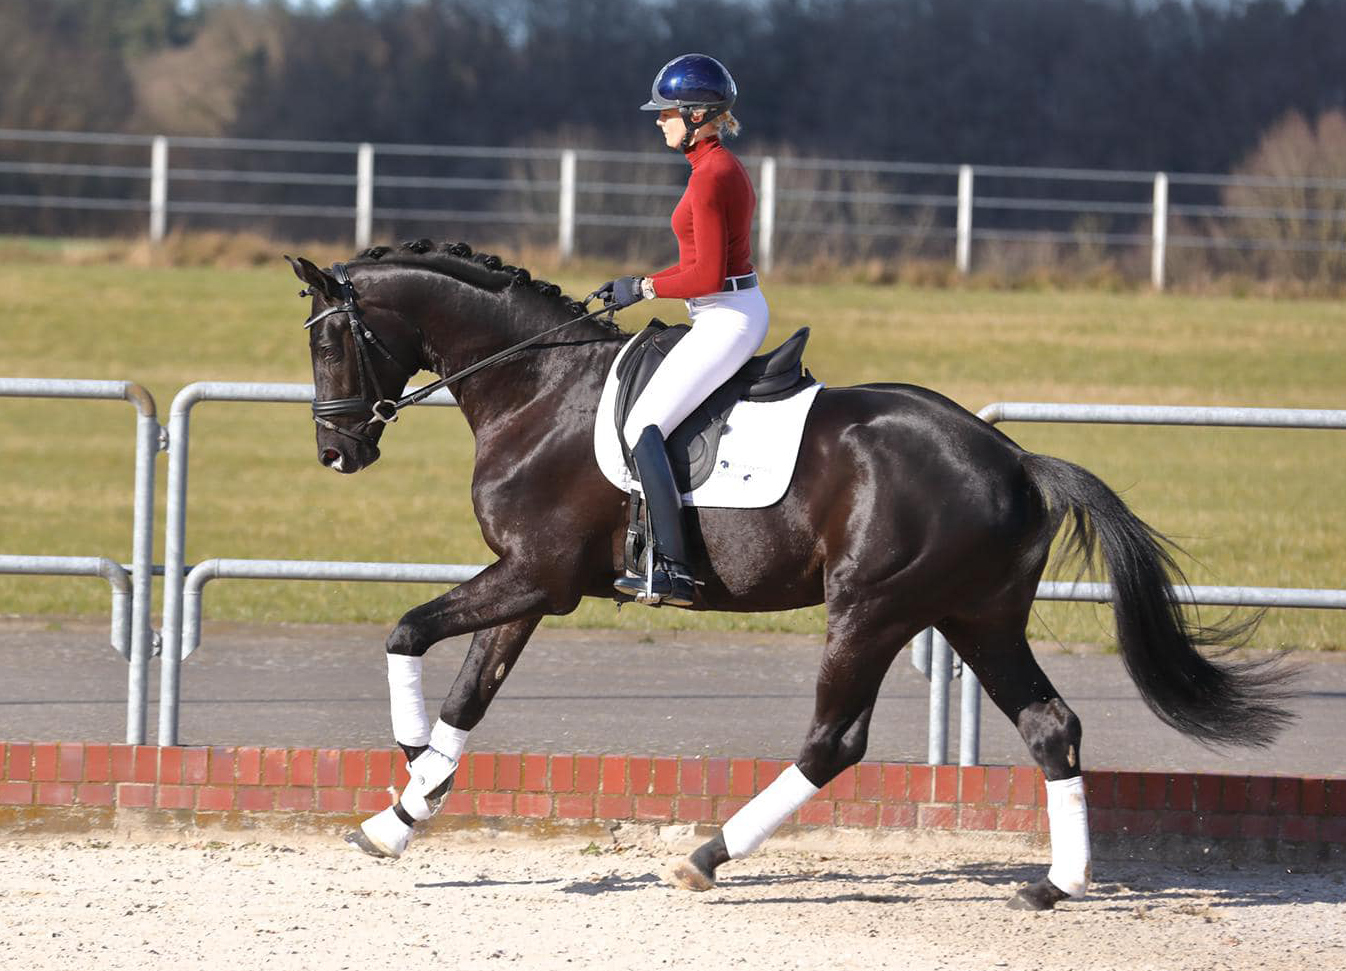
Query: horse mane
481	270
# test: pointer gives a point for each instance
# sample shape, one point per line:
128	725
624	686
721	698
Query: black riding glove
622	292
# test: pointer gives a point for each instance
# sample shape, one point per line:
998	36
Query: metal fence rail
85	566
932	654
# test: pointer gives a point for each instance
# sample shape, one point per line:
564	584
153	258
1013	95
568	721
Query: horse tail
1217	703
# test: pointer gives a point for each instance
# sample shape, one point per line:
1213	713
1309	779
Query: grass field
1252	507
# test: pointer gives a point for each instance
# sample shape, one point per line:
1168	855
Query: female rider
693	95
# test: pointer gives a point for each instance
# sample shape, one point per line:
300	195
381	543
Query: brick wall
1307	815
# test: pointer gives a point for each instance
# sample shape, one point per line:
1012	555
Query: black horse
906	511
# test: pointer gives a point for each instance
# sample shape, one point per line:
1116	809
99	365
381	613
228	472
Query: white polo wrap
1068	817
748	828
430	769
411	725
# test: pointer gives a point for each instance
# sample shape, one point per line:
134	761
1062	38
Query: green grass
1252	507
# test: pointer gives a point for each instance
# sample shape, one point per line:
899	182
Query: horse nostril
329	457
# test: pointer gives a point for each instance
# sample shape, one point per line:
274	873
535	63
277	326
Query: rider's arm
710	234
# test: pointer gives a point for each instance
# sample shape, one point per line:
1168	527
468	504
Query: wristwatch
647	288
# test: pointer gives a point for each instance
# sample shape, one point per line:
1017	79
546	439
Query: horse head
364	351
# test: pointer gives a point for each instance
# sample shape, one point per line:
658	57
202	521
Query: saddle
692	447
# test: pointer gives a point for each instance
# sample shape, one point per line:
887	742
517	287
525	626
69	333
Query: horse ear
309	273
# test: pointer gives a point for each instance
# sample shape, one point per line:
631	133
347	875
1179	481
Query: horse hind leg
1012	678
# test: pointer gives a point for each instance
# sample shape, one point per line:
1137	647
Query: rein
382	409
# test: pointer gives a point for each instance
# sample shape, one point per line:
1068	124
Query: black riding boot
672	581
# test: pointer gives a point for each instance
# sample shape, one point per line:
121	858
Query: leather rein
379	408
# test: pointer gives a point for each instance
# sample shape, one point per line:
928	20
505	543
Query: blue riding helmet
691	82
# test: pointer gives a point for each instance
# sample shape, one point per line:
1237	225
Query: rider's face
674	128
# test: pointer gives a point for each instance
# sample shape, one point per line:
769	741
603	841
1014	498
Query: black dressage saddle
773	376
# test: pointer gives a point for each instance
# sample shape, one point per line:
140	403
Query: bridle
379	408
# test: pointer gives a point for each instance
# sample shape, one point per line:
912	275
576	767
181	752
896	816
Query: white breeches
727	329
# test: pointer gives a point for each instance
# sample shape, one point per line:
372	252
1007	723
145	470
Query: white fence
618	203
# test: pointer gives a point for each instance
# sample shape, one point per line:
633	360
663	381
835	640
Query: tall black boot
672	582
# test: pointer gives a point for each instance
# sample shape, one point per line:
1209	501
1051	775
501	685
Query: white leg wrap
411	726
748	828
431	768
1068	817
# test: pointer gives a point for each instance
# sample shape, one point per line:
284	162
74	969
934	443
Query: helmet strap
692	129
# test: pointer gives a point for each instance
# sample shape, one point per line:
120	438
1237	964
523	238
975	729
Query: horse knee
1052	732
407	639
829	752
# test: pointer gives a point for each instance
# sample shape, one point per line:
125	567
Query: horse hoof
1042	895
686	875
358	839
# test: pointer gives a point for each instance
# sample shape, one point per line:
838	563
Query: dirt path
483	901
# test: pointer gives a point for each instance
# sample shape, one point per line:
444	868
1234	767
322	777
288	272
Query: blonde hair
727	125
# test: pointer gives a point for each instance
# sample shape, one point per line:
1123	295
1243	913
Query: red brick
861	814
97	764
495	803
920	783
895	783
1313	796
1139	822
1025	784
354	768
175	797
147	764
1332	829
1285	796
937	817
726	807
1300	829
768	771
55	794
249	766
1182	792
654	808
381	769
1261	790
1208	793
459	804
562	773
1218	825
44	763
401	773
215	798
1019	820
946	783
742	777
1179	822
302	766
196	766
1103	820
1336	797
972	785
222	761
274	766
294	799
95	794
817	812
1153	791
372	800
613	807
327	767
997	785
691	777
251	799
483	772
336	800
614	774
1100	789
16	793
21	762
587	773
641	772
1128	790
532	805
898	816
133	795
535	773
665	777
1234	796
717	777
508	772
170	766
1258	827
842	787
869	781
981	818
574	807
694	809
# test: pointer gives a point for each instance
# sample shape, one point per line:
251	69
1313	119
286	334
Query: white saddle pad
758	449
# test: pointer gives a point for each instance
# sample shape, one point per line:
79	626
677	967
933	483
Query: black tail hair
1229	703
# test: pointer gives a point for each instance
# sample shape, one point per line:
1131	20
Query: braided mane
481	270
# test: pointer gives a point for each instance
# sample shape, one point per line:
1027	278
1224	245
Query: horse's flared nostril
329	457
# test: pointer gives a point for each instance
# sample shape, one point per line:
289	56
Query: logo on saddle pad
738	449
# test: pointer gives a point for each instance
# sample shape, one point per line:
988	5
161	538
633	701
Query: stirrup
660	586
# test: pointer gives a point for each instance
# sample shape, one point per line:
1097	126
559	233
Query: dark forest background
1094	83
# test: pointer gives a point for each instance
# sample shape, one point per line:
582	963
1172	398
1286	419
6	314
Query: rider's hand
603	293
625	291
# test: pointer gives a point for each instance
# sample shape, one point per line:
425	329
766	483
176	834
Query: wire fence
616	204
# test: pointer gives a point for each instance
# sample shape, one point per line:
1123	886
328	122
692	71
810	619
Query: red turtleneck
713	223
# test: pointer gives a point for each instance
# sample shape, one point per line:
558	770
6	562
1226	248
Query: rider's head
693	94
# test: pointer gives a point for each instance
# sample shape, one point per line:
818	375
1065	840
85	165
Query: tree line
1184	86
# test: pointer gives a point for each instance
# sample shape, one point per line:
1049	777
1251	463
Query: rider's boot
671	582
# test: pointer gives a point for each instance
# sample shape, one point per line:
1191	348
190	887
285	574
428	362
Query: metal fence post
364	195
565	207
941	672
158	188
969	720
963	248
1160	230
766	226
